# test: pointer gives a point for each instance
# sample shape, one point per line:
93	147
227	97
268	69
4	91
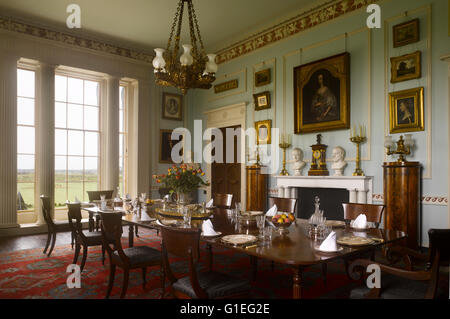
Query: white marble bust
338	161
297	161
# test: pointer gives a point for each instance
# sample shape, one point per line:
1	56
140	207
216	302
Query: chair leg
144	271
136	230
52	244
72	239
126	274
324	272
103	255
163	281
49	236
77	253
83	261
112	273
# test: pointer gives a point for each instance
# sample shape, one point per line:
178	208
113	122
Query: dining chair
410	283
85	239
372	212
97	195
185	243
128	258
53	226
223	200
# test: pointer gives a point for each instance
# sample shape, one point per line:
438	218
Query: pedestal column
8	140
45	135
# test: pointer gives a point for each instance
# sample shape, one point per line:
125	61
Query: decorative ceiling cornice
291	27
68	39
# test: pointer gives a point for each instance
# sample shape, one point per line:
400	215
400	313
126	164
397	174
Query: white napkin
329	244
272	211
166	197
360	222
208	229
77	200
210	203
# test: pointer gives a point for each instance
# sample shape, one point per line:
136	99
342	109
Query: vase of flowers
182	180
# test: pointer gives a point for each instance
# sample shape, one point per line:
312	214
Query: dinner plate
335	223
211	236
239	239
252	213
329	252
354	241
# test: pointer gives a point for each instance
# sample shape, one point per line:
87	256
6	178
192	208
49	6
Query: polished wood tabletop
295	249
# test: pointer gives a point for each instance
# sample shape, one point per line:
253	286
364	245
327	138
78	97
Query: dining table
295	248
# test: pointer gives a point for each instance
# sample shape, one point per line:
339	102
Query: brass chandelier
194	68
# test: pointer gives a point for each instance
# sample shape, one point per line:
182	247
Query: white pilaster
8	140
353	198
110	124
45	136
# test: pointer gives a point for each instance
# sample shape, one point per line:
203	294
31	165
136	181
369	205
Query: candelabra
358	138
403	146
284	145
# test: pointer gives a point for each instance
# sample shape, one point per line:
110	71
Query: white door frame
446	58
226	116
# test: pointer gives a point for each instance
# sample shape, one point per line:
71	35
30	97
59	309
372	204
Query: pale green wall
329	39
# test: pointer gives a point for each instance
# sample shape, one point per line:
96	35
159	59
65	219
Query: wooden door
226	177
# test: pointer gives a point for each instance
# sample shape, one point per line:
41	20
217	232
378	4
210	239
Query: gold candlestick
284	145
358	140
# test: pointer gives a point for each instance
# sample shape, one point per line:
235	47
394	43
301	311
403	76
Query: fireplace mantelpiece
359	187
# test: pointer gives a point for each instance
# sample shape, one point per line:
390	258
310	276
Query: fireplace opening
331	200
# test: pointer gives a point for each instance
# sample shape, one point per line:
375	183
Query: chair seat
61	224
140	255
216	285
395	287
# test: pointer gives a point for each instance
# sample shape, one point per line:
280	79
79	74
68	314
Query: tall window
25	139
123	138
77	136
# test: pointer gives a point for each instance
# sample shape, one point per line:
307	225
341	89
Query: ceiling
145	24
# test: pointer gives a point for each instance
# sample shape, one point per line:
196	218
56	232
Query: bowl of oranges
282	221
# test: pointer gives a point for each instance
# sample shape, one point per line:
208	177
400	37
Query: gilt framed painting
172	106
322	95
406	111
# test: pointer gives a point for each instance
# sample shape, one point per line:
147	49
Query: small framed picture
165	146
406	33
406	111
405	67
263	131
172	106
262	77
262	101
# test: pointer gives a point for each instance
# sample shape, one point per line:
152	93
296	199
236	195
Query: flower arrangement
182	179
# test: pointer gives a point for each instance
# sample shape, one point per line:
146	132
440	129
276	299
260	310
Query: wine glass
260	221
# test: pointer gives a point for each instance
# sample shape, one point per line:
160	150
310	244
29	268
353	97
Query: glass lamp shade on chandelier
193	68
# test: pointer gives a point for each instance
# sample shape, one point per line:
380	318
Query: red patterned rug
31	274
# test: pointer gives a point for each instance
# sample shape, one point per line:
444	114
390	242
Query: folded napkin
76	200
329	244
360	222
210	203
166	197
272	211
208	229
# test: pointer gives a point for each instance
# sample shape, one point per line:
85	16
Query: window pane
61	88
89	186
122	97
25	196
60	115
25	111
25	83
60	142
91	92
25	139
91	144
75	116
75	143
75	169
121	128
75	90
121	144
60	194
25	168
60	168
91	118
75	190
91	169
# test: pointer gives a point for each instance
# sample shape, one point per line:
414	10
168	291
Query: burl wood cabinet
256	188
402	194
